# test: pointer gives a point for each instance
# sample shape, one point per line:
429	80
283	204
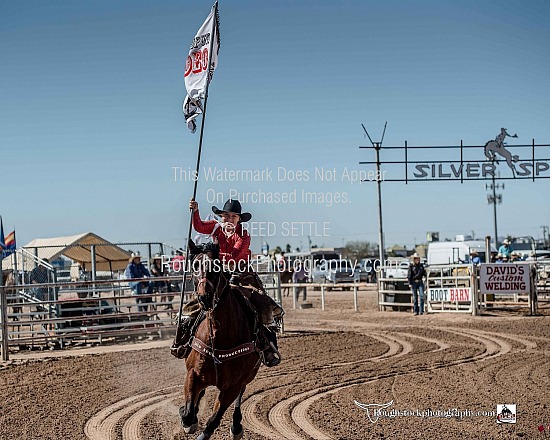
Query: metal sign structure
495	160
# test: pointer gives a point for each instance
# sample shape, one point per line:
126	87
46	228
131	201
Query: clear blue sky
91	124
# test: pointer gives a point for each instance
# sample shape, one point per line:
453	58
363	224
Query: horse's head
207	273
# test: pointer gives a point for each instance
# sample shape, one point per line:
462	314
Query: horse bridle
215	289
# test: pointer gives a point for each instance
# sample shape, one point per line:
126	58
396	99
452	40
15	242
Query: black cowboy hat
233	206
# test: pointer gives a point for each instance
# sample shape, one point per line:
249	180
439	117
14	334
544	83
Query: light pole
545	233
494	199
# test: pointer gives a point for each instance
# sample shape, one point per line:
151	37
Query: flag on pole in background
10	243
7	244
197	72
2	239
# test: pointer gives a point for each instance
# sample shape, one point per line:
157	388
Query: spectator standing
178	261
281	263
157	270
415	276
300	276
505	249
135	270
40	275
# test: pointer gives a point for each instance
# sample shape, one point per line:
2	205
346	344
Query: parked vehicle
335	272
398	269
367	273
455	252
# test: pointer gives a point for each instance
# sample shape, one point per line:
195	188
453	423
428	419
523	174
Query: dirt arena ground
445	375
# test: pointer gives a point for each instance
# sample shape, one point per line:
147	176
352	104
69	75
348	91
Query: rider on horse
501	136
234	244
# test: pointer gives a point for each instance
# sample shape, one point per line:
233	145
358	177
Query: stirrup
181	348
271	356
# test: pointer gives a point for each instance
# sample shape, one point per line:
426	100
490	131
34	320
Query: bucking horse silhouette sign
497	147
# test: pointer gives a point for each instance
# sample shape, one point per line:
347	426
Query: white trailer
456	252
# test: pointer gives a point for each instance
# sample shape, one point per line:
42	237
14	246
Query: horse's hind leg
225	399
236	427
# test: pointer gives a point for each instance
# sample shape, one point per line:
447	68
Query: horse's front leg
236	427
225	399
193	392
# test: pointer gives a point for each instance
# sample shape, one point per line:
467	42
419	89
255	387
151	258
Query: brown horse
224	351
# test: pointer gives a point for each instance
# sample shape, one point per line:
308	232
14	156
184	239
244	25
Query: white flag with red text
197	72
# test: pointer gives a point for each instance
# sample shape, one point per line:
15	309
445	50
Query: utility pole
494	199
546	233
377	146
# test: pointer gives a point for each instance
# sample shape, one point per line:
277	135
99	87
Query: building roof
78	248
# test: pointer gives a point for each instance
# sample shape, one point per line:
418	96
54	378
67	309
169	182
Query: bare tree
355	250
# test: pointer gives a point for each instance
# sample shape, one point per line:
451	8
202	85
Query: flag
7	244
10	243
197	72
2	239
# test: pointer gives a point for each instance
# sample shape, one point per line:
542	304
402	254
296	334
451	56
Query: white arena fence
324	288
62	314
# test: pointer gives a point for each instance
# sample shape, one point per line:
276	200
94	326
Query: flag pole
197	168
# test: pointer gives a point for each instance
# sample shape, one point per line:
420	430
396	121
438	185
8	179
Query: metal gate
452	288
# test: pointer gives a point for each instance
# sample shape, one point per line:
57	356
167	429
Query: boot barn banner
505	278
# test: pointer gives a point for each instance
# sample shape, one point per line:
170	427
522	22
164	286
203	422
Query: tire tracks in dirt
288	418
102	426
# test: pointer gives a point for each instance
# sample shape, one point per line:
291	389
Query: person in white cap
505	250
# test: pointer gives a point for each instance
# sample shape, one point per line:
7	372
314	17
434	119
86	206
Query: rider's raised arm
203	227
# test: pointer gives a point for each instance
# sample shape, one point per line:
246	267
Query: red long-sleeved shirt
236	247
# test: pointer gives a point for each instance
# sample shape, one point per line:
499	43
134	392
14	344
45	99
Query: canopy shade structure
109	257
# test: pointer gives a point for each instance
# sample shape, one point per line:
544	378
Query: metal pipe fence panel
71	313
451	288
393	288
